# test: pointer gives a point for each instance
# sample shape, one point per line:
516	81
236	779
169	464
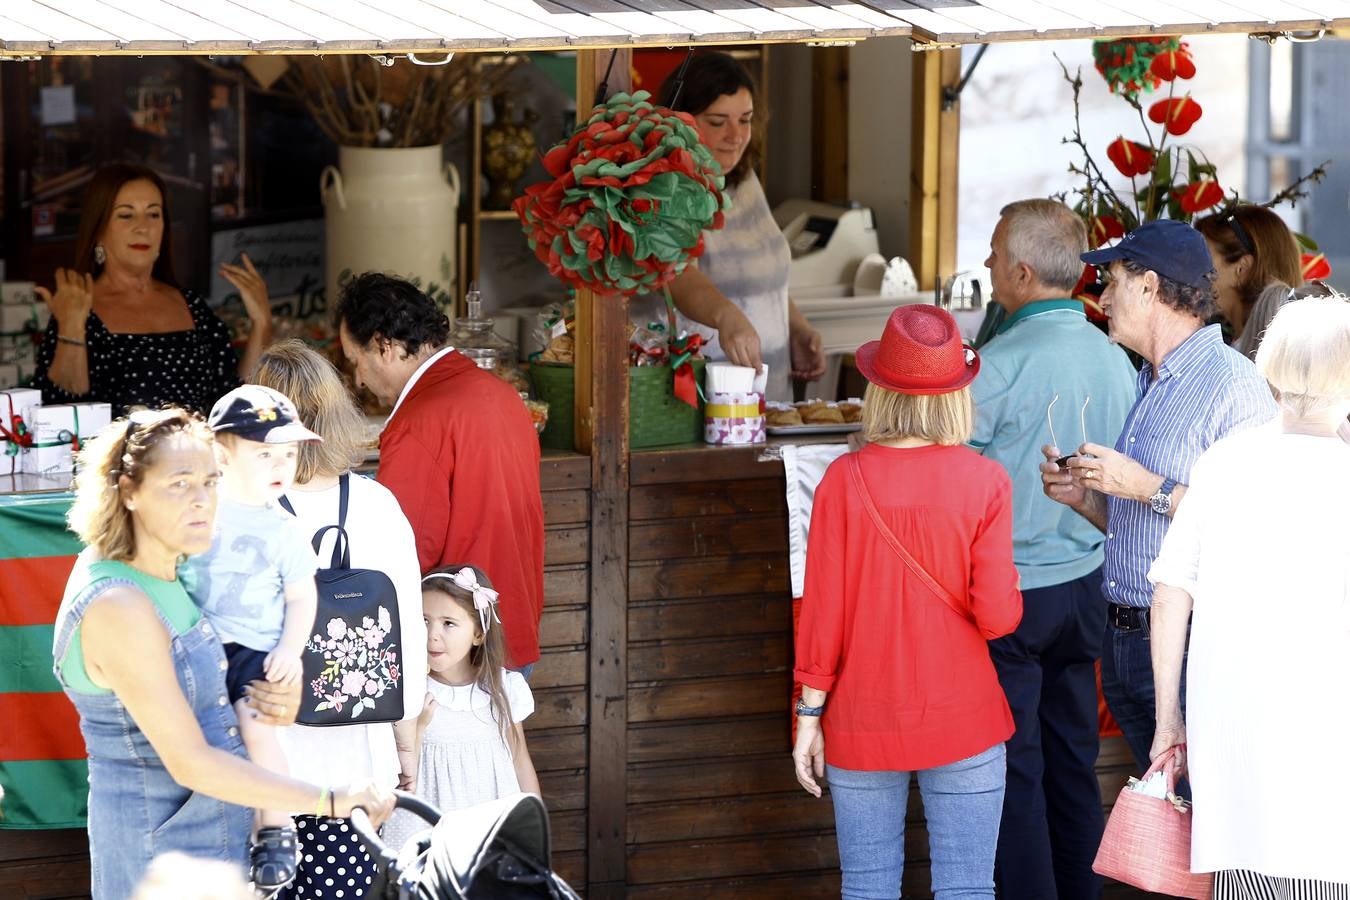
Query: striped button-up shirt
1204	390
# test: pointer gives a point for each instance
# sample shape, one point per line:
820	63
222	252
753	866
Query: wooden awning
230	27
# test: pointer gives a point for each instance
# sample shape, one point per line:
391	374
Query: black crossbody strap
342	550
855	470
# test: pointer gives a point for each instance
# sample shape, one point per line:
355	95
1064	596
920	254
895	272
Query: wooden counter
707	803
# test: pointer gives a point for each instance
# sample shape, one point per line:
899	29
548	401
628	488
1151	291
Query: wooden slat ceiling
39	27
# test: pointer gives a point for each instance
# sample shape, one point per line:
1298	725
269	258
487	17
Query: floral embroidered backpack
353	661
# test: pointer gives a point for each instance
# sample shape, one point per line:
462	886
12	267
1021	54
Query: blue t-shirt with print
240	582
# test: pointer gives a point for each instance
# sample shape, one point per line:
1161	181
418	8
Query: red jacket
462	457
910	682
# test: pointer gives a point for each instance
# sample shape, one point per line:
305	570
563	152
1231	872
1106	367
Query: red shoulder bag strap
855	470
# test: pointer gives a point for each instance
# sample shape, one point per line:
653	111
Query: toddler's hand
282	668
428	712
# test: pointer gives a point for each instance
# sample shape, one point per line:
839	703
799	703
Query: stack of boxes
23	317
41	440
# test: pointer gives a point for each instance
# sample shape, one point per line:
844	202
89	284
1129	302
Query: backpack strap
342	549
855	470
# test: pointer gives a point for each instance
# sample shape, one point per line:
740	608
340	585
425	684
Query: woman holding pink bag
1257	561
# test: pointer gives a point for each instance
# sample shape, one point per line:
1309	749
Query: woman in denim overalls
167	769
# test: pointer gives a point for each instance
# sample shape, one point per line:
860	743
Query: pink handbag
1147	842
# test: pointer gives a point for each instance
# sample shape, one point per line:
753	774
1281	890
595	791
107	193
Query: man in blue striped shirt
1192	391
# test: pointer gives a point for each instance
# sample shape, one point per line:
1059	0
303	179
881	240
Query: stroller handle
365	830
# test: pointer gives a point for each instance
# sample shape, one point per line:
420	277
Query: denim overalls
136	810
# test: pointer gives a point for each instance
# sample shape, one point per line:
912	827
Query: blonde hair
1304	353
325	406
946	419
489	657
114	463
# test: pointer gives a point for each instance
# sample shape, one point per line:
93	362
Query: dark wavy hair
99	200
378	305
1186	298
711	75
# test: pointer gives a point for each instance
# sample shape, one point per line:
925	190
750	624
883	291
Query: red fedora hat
920	352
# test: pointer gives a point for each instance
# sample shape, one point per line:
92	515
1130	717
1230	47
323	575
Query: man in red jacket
459	450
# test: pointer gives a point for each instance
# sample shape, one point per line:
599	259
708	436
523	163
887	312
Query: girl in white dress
470	733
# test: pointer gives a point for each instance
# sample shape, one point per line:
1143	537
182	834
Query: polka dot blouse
191	369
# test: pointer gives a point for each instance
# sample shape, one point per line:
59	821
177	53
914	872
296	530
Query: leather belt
1127	618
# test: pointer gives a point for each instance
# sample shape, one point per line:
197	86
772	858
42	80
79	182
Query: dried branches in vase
360	103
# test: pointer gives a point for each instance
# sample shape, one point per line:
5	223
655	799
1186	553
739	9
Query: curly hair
123	450
378	305
1186	298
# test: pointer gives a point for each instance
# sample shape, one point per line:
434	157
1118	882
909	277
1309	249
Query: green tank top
168	596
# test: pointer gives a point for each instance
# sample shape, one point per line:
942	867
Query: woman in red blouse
898	648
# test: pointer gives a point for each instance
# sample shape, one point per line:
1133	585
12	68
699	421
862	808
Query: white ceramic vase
393	210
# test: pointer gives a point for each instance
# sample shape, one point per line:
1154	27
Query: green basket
655	416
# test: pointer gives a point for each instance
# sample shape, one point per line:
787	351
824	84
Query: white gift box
734	418
22	317
20	403
54	431
15	347
18	293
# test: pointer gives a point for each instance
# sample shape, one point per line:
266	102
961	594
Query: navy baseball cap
1166	246
257	413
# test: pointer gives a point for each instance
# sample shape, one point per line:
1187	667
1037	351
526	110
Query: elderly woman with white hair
1258	561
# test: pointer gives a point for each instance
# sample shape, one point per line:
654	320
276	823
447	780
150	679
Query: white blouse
1259	541
381	538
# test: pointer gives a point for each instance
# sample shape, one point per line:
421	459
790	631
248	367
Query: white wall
880	100
1017	107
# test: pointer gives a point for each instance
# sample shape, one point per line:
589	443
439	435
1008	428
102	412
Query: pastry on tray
782	417
851	410
821	415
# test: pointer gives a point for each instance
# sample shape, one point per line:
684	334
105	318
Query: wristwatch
804	710
1161	502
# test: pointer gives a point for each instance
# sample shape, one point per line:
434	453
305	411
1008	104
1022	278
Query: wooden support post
934	164
602	431
829	124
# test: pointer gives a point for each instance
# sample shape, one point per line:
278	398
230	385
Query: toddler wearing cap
256	583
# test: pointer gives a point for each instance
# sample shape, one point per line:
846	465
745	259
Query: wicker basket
655	417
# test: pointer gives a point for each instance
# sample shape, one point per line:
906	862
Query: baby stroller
496	850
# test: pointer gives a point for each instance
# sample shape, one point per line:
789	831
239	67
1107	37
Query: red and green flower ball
630	195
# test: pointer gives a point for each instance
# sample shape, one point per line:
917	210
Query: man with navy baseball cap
1192	390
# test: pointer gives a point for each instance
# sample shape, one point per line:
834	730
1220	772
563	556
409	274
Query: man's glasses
1082	426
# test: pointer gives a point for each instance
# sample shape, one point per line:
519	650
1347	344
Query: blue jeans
963	802
1127	685
1052	811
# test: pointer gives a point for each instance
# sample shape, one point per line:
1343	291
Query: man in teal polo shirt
1047	368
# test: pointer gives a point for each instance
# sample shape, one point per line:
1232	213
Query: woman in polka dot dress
121	331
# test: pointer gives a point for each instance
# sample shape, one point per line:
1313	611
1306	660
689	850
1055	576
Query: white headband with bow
484	598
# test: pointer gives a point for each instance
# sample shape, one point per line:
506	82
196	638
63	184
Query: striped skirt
1239	884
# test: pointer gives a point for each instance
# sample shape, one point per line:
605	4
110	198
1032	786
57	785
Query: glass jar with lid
474	337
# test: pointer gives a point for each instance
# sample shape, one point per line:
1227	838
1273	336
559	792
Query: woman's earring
100	255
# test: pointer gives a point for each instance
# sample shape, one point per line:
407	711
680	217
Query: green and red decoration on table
42	756
1167	180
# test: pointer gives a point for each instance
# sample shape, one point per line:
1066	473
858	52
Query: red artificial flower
1201	195
1315	267
1129	157
1104	228
1176	114
1172	64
